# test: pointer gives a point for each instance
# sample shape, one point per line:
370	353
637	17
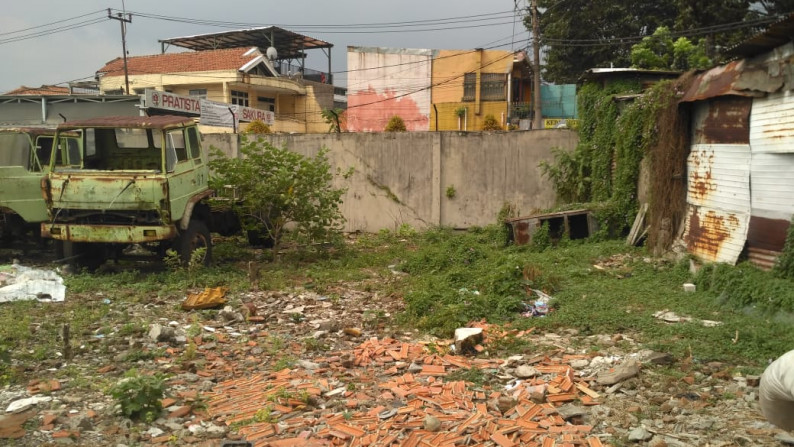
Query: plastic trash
20	283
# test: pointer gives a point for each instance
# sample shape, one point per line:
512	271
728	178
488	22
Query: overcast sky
34	52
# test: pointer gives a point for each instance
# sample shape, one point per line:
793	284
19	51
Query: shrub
279	188
257	127
490	123
395	124
139	395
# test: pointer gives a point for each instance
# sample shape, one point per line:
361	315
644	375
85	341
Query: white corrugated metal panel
719	176
772	185
715	235
718	195
772	123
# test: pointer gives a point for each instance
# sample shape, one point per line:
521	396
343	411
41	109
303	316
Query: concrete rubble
272	380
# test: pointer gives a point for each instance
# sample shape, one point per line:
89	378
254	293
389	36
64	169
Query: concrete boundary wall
423	179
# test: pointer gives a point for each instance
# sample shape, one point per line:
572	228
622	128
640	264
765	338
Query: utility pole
537	121
124	21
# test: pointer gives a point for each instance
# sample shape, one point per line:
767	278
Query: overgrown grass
451	278
620	298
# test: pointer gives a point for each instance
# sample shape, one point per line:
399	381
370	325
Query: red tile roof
226	59
43	90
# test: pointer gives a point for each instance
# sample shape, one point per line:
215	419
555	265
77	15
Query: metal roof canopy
289	45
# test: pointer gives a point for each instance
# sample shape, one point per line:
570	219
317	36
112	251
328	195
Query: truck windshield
15	150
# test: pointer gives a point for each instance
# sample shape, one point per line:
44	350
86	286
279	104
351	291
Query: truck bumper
122	234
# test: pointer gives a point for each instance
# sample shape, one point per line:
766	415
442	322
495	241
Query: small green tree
333	117
490	123
660	52
395	124
280	188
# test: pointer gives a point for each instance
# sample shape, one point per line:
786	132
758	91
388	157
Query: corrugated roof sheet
288	44
146	122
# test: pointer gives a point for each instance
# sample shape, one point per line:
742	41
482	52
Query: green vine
614	136
784	267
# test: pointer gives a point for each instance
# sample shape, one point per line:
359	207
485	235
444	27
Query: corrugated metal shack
741	164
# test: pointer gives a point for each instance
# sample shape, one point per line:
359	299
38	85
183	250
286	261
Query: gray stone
216	431
639	434
160	333
659	358
305	364
625	370
228	314
579	363
569	411
525	372
197	430
319	334
432	423
414	368
154	432
785	438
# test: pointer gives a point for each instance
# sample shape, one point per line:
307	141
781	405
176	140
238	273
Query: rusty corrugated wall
718	201
718	177
771	176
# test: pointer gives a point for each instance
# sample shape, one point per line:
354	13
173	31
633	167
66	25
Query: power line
318	28
52	23
52	31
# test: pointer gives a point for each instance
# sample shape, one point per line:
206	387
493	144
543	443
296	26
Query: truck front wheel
196	236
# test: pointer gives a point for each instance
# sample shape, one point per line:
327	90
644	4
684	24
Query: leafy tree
708	13
660	52
773	7
280	188
578	35
581	34
395	124
333	117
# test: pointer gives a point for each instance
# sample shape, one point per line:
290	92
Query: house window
198	93
492	87
266	103
469	86
240	98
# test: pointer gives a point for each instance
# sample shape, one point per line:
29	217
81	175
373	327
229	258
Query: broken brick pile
383	405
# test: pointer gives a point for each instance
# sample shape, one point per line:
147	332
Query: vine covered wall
619	126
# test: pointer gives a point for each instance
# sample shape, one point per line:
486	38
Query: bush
257	127
396	124
279	188
490	123
139	395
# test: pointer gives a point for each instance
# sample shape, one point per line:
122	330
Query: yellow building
262	68
469	85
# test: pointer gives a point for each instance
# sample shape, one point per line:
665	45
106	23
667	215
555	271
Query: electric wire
381	25
52	23
52	31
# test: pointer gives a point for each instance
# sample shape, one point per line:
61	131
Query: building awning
288	44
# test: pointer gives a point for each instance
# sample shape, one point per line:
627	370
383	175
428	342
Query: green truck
135	180
25	155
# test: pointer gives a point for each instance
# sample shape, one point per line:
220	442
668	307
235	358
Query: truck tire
196	236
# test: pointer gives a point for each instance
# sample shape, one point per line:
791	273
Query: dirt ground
297	367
